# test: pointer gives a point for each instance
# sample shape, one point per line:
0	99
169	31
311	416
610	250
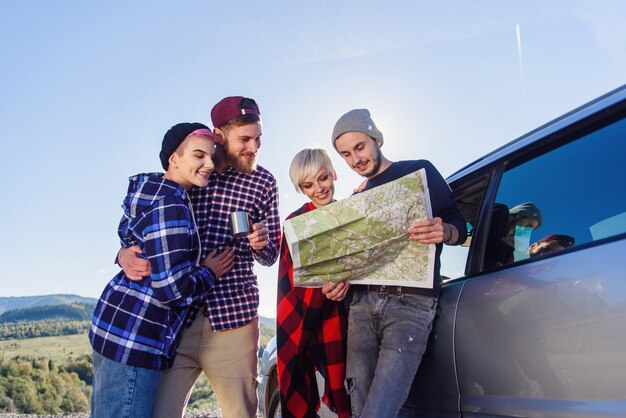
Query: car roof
607	100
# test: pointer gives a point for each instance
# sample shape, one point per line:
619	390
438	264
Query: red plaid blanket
311	335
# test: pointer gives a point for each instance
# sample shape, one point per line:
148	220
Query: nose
253	146
209	164
354	159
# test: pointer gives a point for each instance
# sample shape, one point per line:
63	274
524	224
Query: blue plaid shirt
141	323
234	300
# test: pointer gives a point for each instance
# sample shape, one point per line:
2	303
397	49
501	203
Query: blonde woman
311	323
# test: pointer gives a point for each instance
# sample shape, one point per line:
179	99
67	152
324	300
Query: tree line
70	312
38	386
46	321
52	328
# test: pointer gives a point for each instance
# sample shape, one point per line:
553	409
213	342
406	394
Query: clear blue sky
87	90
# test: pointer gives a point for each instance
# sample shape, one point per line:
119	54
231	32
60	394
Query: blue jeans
387	336
122	391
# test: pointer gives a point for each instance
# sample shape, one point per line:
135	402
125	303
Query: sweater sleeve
442	202
168	235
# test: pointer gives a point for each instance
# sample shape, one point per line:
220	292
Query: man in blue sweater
388	326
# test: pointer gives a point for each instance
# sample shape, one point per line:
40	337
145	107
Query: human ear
173	160
219	133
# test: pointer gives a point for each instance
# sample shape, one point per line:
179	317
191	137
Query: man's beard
376	163
236	162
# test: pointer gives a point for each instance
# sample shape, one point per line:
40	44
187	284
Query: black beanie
174	137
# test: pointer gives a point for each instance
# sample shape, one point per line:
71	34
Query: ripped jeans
387	336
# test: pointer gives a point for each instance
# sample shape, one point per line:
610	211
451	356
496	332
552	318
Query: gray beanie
356	120
527	210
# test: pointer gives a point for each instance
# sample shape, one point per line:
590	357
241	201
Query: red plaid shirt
234	300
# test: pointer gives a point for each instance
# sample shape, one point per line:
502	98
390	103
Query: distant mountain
68	312
23	302
270	322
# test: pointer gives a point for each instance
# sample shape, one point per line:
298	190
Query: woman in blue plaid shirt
137	325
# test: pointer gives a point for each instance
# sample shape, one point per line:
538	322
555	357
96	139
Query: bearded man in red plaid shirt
223	341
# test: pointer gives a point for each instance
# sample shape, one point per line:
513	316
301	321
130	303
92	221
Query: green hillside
12	303
59	348
45	321
60	368
21	302
45	355
53	372
70	312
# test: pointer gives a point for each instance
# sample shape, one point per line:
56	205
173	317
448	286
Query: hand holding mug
259	238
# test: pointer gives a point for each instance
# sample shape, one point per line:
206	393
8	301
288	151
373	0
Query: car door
540	325
532	313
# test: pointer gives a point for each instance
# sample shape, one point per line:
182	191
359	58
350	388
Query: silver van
532	315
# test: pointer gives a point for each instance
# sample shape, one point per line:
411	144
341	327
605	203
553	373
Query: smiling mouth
204	174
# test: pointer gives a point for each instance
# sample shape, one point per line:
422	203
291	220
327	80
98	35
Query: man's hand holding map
364	238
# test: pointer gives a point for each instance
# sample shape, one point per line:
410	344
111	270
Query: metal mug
239	224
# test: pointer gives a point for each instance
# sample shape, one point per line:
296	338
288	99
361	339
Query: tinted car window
570	196
468	199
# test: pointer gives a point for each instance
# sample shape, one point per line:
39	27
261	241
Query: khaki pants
229	360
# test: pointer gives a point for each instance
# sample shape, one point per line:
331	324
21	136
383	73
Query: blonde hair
307	163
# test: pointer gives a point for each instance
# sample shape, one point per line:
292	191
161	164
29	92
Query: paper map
364	238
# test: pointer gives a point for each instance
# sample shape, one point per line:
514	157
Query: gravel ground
194	413
188	414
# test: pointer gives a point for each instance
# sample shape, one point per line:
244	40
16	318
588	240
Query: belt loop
399	290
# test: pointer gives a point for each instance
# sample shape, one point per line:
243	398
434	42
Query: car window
468	199
567	197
